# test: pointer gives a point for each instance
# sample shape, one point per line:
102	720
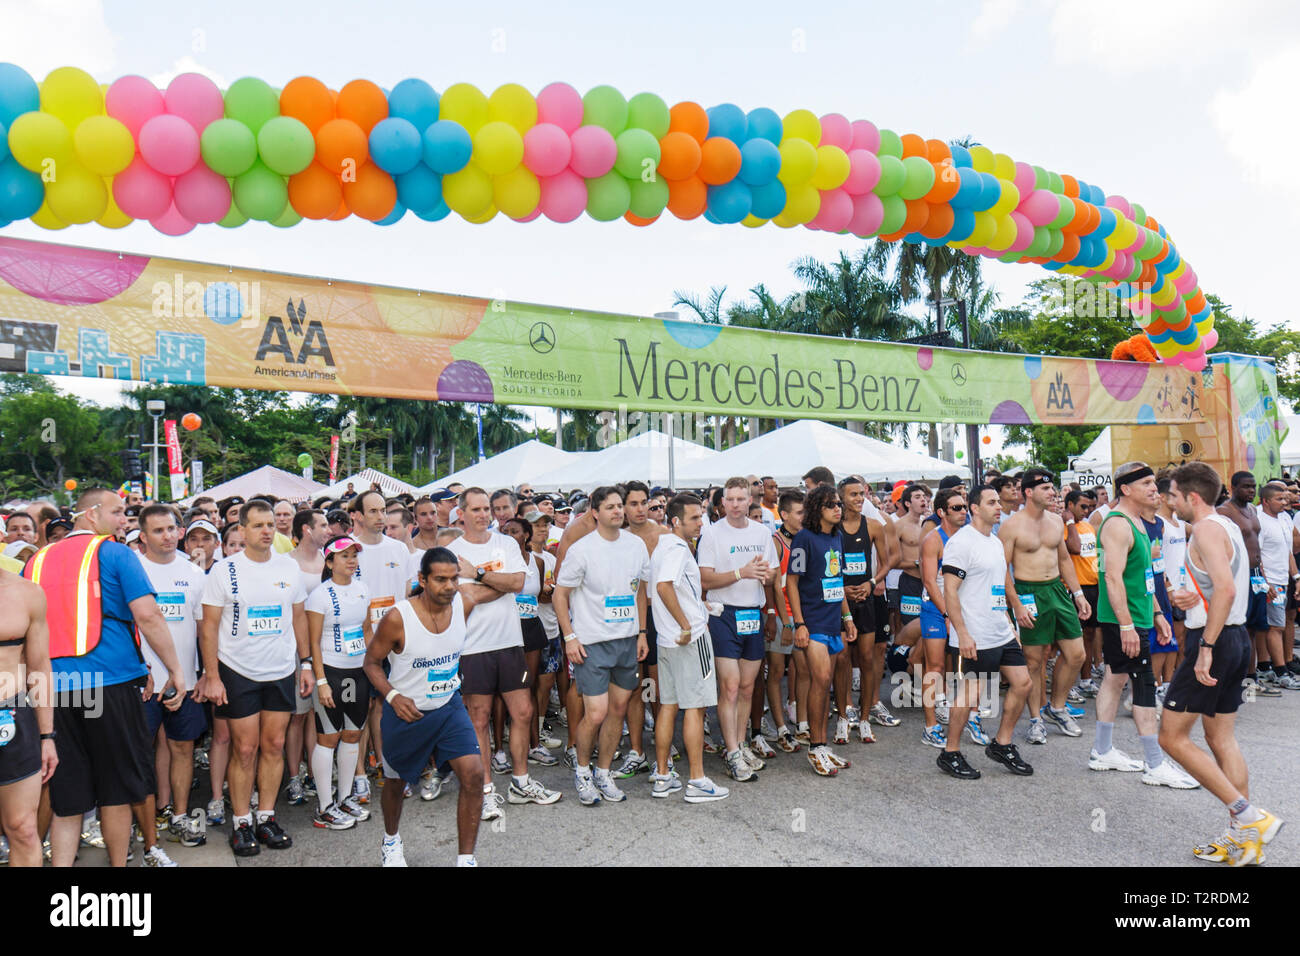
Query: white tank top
427	669
526	598
1240	567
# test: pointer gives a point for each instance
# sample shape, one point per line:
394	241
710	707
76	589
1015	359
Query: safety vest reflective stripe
84	599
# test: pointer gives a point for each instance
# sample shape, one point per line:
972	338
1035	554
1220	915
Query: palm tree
500	428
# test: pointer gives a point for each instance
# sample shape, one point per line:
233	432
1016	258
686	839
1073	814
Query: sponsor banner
81	314
196	473
334	459
174	466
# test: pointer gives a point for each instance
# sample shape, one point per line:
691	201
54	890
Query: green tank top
1137	574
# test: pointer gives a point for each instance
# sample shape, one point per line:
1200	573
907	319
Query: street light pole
155	407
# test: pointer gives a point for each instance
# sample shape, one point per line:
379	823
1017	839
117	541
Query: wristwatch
478	575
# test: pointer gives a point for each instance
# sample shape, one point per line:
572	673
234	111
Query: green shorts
1057	618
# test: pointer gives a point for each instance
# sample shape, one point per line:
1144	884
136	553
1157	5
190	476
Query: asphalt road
893	807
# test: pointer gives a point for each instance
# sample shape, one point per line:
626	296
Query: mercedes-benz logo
541	337
959	374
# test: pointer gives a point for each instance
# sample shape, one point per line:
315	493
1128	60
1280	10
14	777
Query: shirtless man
1034	540
28	758
915	504
1239	510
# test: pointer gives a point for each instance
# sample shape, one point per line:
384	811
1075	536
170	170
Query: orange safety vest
68	572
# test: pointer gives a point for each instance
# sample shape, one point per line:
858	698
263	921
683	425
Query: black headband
1143	472
1034	483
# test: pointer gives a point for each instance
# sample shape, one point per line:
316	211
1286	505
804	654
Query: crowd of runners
167	673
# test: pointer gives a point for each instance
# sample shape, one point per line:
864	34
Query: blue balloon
396	145
1098	196
398	212
1158	284
1185	336
764	123
961	157
1204	314
1170	262
4	143
990	192
729	120
447	147
712	218
415	101
19	93
21	191
731	202
1108	222
440	211
1161	230
915	238
760	161
768	200
419	189
963	224
970	190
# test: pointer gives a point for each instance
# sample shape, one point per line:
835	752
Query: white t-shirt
546	610
256	601
494	625
673	561
344	609
179	584
982	595
385	569
1174	550
554	534
604	576
725	548
1275	546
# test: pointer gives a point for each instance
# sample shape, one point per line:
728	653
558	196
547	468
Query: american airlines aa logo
275	338
1058	394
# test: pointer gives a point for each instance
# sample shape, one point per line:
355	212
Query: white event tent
642	457
362	480
264	480
523	463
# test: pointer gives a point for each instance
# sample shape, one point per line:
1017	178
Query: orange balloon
341	144
918	214
1070	186
1094	219
689	118
342	212
373	195
913	145
1152	224
191	421
986	439
1148	273
1196	303
364	103
679	155
687	198
1069	249
1157	327
893	236
938	221
1080	217
946	183
636	220
936	150
307	99
315	193
719	160
70	484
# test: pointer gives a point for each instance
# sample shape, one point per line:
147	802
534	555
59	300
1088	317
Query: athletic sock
1105	734
240	820
1243	812
782	730
1279	670
582	770
391	838
264	815
803	726
347	758
322	763
520	782
1151	745
466	859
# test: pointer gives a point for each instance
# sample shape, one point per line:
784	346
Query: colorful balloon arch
72	151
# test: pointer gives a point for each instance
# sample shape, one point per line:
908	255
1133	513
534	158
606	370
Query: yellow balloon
46	219
1178	270
1166	295
986	227
1009	200
1004	167
72	95
498	148
466	104
1005	234
798	161
832	167
802	124
981	158
783	221
1166	349
1107	262
517	192
38	140
484	216
104	145
113	217
468	192
802	203
752	221
513	104
77	195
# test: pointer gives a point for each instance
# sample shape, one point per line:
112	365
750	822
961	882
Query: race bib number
1030	601
1257	584
527	606
855	562
747	622
1158	565
353	641
1087	546
832	589
172	606
1279	596
378	608
443	682
7	727
909	606
999	597
1151	581
620	609
265	621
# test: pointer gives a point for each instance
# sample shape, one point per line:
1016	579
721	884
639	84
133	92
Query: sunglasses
834	504
656	507
956	507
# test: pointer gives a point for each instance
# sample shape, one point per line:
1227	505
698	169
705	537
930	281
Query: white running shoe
864	732
1165	774
754	760
156	857
609	790
430	784
540	755
1037	732
941	709
392	853
880	715
532	792
1113	759
664	785
501	763
790	716
842	731
492	803
704	790
588	795
759	745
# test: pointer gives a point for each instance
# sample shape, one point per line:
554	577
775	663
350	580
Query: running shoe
880	715
975	732
1074	697
1289	681
501	763
540	755
766	727
270	833
664	785
1062	719
1216	851
759	745
333	818
1074	711
836	759
570	758
857	680
955	765
709	746
738	767
1087	688
163	818
941	709
851	714
787	742
391	853
546	738
1113	759
1165	774
704	790
187	831
492	803
308	784
633	764
216	812
588	795
648	720
821	762
1263	829
243	842
1009	757
532	792
802	736
360	790
1037	733
754	760
294	793
864	732
351	807
430	785
934	736
790	715
155	856
842	731
609	790
92	835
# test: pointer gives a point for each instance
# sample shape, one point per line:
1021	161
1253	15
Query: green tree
48	438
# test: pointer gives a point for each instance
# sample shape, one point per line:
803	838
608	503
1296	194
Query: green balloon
286	145
252	102
890	144
892	176
1139	214
287	218
1055	183
635	146
1010	257
648	199
608	197
261	193
1065	214
1040	177
233	218
1152	246
648	112
1042	239
961	454
228	147
895	214
918	179
605	106
1057	243
304	460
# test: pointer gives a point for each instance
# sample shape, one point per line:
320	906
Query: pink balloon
864	172
1120	204
172	223
1024	232
836	131
1189	272
865	136
169	144
1024	178
134	101
836	211
560	104
547	149
1040	207
868	214
1138	243
196	99
1185	283
1211	339
141	192
594	151
564	196
202	195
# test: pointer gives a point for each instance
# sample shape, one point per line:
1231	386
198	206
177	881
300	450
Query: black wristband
799	624
50	736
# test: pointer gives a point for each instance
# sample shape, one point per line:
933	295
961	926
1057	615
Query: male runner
502	503
20	527
426	524
1081	542
311	531
1208	682
915	503
862	536
1243	514
1279	567
771	500
284	512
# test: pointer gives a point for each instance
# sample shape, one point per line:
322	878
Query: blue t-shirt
116	658
818	559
